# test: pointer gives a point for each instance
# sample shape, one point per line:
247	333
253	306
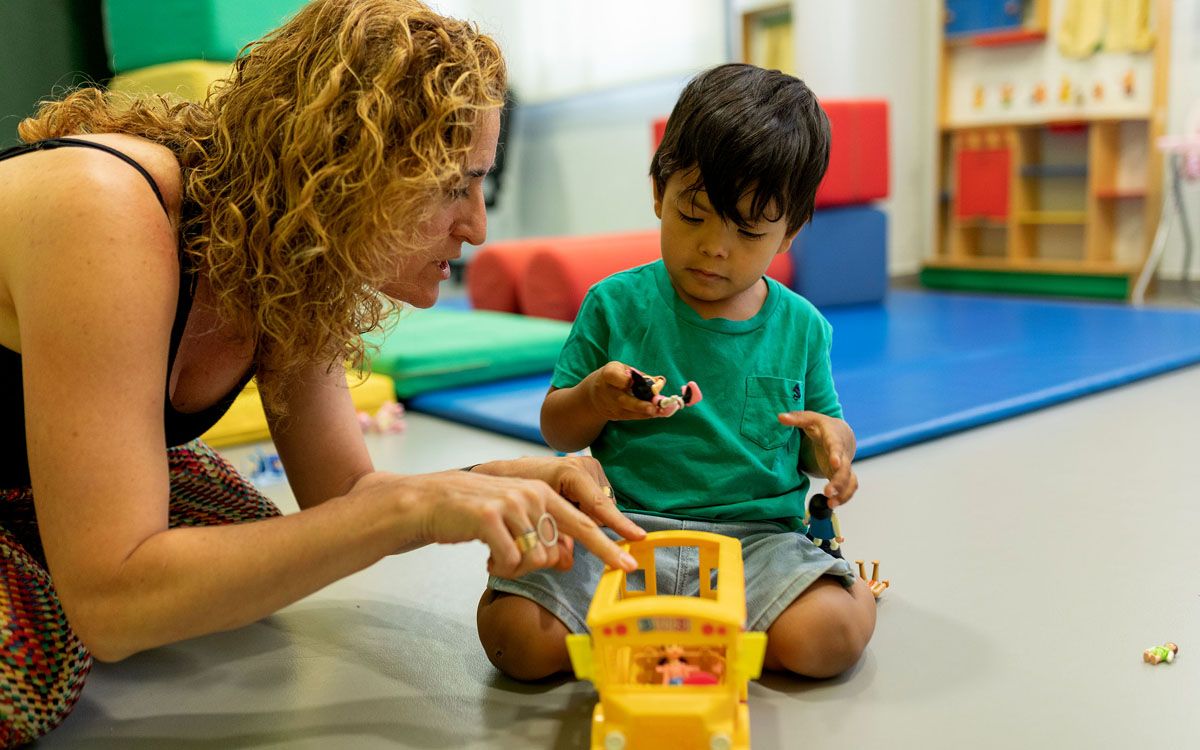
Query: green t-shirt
728	457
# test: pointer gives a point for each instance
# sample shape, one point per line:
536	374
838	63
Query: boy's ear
657	198
787	242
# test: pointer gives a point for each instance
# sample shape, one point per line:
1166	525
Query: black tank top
180	427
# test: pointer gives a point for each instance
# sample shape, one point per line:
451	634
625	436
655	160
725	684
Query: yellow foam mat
188	79
245	422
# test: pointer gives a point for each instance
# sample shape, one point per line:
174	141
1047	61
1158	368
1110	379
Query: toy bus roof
728	607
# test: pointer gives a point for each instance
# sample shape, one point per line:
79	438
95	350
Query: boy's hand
833	447
609	396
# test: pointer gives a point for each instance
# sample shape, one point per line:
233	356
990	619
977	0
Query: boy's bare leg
824	631
521	638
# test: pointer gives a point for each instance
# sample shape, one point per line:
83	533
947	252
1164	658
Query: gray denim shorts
779	566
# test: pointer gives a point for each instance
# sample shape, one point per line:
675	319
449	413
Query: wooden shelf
1053	217
1054	170
1115	194
1008	38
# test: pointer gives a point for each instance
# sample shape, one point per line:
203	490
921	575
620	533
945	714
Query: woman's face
459	217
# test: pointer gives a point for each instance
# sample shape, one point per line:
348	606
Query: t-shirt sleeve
586	348
820	394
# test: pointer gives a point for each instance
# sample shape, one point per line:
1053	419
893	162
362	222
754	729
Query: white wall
1184	96
872	49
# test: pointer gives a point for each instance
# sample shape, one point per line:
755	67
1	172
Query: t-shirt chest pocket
766	397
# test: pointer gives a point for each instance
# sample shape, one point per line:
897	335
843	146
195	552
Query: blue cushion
840	257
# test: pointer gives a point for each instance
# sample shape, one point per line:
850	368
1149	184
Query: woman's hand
833	446
495	503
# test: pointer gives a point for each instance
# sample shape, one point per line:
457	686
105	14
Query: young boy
734	180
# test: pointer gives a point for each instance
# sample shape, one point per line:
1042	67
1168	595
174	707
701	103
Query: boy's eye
752	235
690	219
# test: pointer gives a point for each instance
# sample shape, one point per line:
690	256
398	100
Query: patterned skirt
43	664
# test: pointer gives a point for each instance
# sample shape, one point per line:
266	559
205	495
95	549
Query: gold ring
526	541
547	520
607	490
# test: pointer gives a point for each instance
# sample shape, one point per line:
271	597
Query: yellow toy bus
671	671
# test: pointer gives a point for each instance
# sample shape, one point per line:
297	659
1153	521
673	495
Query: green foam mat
428	350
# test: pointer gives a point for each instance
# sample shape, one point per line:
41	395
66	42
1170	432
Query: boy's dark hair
747	129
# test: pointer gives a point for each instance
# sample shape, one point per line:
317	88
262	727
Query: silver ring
547	519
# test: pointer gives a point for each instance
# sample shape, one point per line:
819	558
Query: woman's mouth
444	267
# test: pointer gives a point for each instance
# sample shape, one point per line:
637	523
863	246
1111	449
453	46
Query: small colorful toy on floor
649	388
265	468
823	527
1159	654
387	420
873	583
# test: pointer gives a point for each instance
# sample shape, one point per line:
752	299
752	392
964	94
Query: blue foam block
840	257
923	365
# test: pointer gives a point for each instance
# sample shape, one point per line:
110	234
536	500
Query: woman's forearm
190	581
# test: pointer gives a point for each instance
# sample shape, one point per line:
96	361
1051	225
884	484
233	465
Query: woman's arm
94	287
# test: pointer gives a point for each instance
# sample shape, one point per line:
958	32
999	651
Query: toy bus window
672	665
669	571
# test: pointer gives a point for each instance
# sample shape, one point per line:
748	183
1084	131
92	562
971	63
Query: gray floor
1031	563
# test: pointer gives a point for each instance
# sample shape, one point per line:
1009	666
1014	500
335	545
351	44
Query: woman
154	257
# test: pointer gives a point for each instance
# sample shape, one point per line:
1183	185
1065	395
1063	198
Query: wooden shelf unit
1049	206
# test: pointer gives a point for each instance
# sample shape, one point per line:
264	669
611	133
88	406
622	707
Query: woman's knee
520	637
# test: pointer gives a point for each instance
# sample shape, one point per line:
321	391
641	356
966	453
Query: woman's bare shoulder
71	215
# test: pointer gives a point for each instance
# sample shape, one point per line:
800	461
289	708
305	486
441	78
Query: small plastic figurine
1157	654
823	527
387	420
266	468
673	667
875	585
649	388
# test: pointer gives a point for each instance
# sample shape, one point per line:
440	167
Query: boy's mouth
705	275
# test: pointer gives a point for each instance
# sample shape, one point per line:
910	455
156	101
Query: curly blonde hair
313	166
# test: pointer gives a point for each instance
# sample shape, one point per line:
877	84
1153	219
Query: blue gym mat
924	364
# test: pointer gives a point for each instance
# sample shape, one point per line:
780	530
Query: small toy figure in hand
823	527
649	388
1159	654
873	583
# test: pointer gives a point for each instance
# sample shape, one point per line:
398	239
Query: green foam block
140	33
428	350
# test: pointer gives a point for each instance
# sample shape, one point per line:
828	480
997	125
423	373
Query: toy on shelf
387	419
873	583
671	671
649	388
823	527
1159	654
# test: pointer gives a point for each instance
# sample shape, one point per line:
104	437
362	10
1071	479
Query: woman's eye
458	193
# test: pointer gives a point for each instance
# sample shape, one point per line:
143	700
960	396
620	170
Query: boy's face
715	266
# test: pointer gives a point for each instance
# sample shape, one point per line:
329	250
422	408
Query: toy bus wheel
720	742
614	740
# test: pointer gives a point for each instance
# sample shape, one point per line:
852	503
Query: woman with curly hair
154	256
